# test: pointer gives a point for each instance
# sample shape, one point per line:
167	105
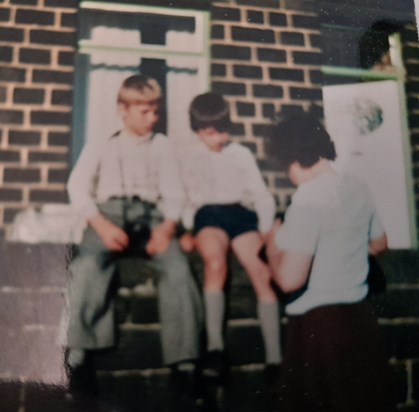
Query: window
116	41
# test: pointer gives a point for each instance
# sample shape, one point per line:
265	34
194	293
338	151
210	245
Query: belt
134	198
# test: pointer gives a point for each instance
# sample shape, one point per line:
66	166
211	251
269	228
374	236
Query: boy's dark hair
139	88
300	137
209	110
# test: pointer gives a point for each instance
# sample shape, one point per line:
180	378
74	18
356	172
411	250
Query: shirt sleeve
300	230
170	186
260	195
81	184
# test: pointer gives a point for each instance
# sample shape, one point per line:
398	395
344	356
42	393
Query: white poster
364	120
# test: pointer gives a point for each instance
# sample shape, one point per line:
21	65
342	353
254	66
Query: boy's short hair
139	89
209	110
302	138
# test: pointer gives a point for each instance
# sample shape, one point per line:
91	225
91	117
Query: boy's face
214	140
139	118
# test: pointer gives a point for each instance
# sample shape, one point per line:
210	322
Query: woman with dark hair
334	359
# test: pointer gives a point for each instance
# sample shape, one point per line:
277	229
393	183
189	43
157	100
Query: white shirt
126	165
331	217
229	176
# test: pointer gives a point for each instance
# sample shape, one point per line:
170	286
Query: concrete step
139	346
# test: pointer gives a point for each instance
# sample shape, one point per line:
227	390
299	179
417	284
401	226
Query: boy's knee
215	265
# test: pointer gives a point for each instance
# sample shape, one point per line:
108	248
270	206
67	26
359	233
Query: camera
139	234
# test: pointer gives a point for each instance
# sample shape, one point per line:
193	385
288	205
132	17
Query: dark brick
218	69
10	195
410	53
316	77
225	13
412	87
58	139
415	380
15	175
52	37
32	96
274	4
268	110
305	94
50	118
3	94
6	54
57	175
250	145
24	2
255	17
307	58
237	129
400	266
283	183
9	156
252	35
48	196
72	4
245	109
249	72
10	214
32	55
286	74
264	90
11	116
292	38
62	97
10	74
11	35
4	14
52	76
277	19
305	22
219	51
41	18
316	41
290	109
69	20
229	88
66	58
217	31
245	344
144	309
401	340
271	55
24	138
39	157
414	121
397	304
261	129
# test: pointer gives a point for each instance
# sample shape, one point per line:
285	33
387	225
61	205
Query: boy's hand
187	242
160	237
112	236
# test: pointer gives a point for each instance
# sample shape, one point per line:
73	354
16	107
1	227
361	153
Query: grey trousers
91	312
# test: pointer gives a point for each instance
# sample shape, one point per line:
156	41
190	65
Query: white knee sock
214	316
269	323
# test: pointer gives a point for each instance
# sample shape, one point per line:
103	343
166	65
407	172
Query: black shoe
186	380
215	366
272	374
82	381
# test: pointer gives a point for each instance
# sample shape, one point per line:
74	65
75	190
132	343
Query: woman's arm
290	269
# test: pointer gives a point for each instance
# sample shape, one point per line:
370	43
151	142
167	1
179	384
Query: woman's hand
160	238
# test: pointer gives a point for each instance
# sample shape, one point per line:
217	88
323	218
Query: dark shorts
335	361
234	219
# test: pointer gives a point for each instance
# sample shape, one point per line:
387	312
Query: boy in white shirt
128	189
221	180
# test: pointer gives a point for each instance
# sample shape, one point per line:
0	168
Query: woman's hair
209	110
302	138
138	89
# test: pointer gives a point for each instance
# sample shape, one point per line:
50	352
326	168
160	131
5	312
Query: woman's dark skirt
335	361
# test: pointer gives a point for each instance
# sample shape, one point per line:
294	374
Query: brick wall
265	59
37	43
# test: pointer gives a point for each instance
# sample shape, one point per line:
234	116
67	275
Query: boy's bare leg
212	245
246	248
